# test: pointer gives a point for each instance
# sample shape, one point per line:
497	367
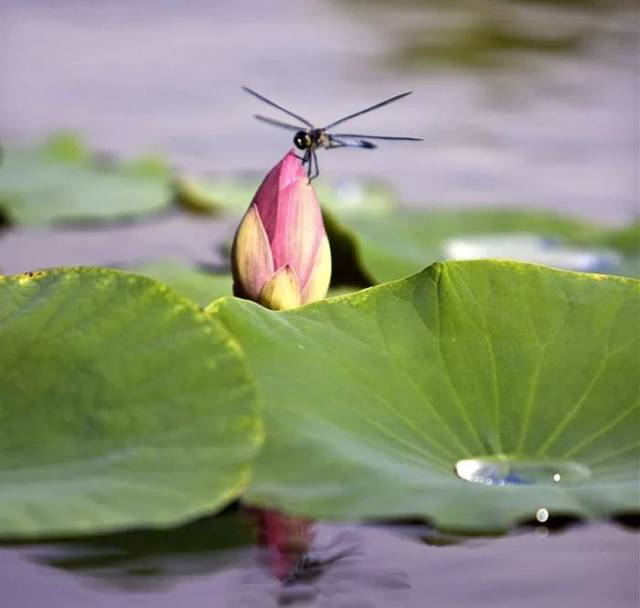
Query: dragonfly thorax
312	138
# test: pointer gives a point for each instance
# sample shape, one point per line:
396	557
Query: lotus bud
280	256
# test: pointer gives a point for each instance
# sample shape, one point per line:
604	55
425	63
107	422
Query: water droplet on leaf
501	471
542	515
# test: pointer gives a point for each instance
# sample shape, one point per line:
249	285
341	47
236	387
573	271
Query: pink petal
287	172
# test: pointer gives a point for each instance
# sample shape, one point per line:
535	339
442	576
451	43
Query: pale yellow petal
252	262
282	291
318	283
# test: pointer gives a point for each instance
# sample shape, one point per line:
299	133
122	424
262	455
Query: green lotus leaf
233	194
121	402
474	394
59	181
625	239
369	251
212	195
370	198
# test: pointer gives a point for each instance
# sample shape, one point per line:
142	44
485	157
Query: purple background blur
520	102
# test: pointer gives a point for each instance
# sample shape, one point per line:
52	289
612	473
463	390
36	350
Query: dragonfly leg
304	159
309	167
314	169
309	160
317	166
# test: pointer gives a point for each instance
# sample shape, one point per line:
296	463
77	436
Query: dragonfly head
302	140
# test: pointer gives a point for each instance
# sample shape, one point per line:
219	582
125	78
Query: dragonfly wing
369	109
350	142
347	136
275	105
277	123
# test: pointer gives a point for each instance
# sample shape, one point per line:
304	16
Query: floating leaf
361	197
121	403
198	285
210	194
368	249
58	182
626	239
205	194
191	282
520	377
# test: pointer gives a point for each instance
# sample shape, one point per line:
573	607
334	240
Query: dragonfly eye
301	140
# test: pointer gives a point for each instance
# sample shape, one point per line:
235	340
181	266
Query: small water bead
542	515
501	471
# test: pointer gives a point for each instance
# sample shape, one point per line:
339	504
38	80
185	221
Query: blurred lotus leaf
369	250
61	181
233	194
196	284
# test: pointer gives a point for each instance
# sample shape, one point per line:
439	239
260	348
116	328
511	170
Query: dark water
176	236
204	565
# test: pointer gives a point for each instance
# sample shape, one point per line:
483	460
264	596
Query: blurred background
521	103
531	102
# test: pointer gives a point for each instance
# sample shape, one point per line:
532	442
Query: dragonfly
309	138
